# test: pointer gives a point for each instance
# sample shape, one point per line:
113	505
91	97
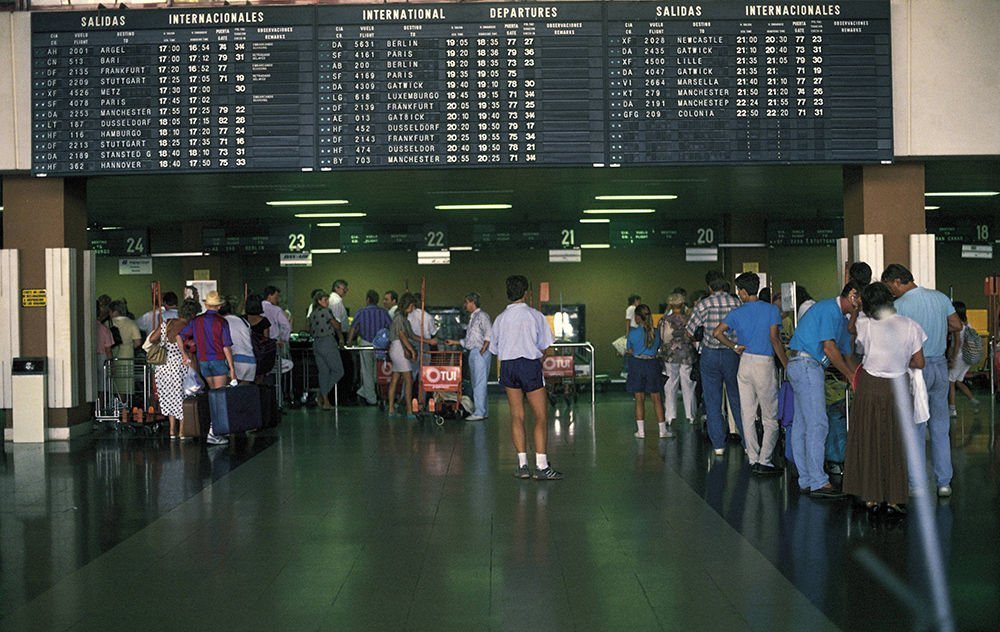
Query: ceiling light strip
613	198
321	215
325	251
472	207
618	211
308	202
962	194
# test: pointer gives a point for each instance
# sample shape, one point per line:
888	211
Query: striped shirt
709	312
368	320
478	330
211	334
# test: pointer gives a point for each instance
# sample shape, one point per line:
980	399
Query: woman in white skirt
401	354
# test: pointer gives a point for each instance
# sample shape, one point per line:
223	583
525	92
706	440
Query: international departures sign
313	88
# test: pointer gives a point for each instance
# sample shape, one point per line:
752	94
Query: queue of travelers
884	340
724	351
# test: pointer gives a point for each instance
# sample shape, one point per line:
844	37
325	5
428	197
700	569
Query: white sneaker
944	491
639	435
214	439
719	451
666	434
475	418
952	411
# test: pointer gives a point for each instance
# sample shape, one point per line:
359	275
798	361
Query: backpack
972	347
115	334
265	352
381	343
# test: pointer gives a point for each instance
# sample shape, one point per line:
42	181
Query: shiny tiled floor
347	521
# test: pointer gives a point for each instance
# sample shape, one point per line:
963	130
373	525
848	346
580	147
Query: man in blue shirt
519	338
821	339
367	322
934	312
756	324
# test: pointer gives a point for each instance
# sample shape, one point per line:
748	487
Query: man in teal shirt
934	312
821	339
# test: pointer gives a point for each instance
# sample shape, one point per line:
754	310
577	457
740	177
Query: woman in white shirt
875	462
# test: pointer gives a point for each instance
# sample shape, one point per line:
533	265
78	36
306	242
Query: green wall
602	281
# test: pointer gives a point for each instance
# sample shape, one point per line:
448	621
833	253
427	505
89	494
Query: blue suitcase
235	409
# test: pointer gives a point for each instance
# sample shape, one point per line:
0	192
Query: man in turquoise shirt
934	312
821	339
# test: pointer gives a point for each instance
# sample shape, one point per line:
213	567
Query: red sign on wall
558	366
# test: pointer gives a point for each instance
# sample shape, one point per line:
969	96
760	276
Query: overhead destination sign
695	233
256	239
571	83
814	232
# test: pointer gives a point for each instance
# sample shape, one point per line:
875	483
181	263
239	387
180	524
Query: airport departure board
312	88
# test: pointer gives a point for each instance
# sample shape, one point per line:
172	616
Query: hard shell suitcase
197	418
235	409
270	415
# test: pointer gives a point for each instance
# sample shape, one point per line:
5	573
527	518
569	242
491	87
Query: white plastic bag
620	344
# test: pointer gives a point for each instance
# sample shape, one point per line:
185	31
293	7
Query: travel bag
270	415
197	418
235	409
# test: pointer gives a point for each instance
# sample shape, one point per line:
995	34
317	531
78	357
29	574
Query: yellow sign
33	298
751	266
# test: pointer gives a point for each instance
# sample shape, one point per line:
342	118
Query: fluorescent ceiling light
328	224
325	251
963	194
618	211
595	246
931	208
178	254
609	198
318	215
472	207
112	228
595	220
457	248
308	202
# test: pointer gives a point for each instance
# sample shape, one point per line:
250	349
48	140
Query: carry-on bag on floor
235	409
197	418
270	415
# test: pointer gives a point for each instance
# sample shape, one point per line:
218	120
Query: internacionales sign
459	85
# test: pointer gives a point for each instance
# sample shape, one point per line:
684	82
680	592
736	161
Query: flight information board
443	85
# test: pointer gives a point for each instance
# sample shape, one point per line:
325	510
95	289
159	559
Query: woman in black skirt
875	463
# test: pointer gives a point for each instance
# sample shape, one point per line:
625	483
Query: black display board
120	242
692	233
814	232
524	236
961	230
445	85
369	237
256	239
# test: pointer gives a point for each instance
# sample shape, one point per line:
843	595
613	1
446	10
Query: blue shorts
643	376
212	368
522	373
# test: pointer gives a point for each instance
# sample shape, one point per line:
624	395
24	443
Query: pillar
42	213
886	200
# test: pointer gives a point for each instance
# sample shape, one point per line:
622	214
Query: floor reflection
64	504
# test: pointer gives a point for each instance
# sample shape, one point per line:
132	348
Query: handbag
156	353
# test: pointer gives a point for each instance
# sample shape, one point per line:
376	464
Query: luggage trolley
559	372
441	378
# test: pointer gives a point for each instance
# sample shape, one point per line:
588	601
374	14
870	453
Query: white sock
663	427
541	461
640	425
522	459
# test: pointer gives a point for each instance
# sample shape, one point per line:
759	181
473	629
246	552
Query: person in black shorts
519	338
